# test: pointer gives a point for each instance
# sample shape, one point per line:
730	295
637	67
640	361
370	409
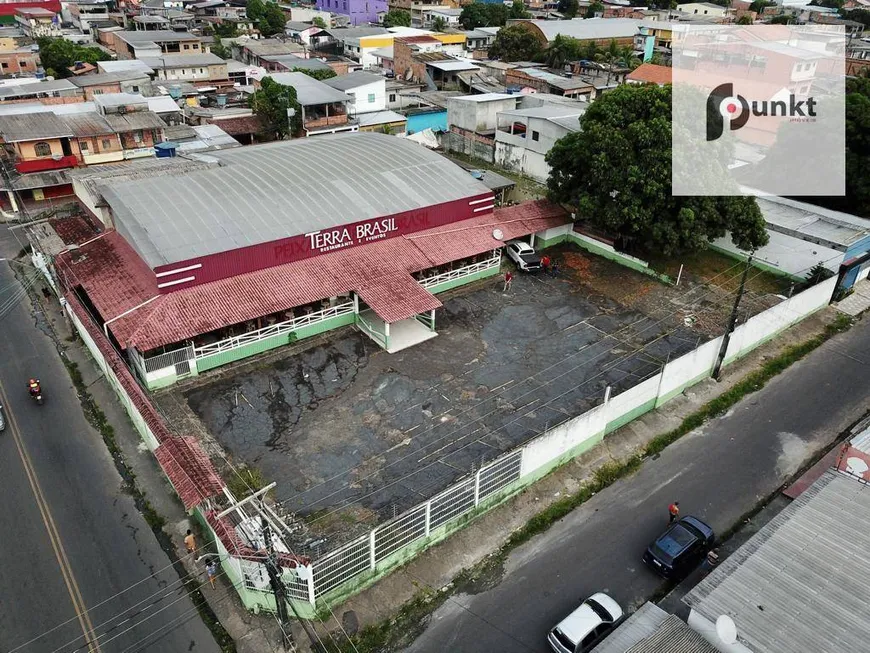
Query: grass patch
245	481
403	627
529	187
709	264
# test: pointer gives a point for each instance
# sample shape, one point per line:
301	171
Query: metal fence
460	273
168	359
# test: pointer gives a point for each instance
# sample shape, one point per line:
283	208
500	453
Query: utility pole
278	589
732	320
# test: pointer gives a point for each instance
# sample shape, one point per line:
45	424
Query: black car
679	549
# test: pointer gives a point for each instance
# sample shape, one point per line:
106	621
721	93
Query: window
97	91
107	143
535	135
371	98
5	65
22	64
135	89
186	46
42	149
85	146
392	97
201	71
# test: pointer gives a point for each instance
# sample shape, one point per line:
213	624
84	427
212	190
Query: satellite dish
726	629
497	234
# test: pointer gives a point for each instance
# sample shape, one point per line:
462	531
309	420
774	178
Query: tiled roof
240	126
117	280
74	230
189	469
650	73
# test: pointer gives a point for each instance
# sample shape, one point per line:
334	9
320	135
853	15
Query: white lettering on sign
327	241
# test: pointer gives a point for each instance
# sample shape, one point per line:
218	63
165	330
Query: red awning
398	297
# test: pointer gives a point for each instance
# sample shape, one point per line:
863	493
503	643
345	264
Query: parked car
680	548
523	255
2	420
584	628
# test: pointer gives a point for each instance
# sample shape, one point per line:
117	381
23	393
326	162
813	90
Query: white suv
523	255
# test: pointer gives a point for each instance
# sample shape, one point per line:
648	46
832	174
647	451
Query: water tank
221	99
175	92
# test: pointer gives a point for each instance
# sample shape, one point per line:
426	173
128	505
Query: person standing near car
508	278
545	263
673	512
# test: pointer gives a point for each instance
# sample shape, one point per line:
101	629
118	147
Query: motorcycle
36	395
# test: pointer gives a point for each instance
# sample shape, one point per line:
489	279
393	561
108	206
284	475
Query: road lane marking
53	534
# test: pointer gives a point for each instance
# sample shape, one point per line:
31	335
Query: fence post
477	487
372	549
428	517
311	598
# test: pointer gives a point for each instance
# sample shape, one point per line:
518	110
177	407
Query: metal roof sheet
135	38
450	66
353	80
182	61
268	192
88	124
135	120
30	127
587	29
673	636
100	79
571	123
802	583
123	64
291	61
310	91
636	628
35	88
379	118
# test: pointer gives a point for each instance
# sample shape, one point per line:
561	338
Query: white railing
273	330
377	336
168	359
462	272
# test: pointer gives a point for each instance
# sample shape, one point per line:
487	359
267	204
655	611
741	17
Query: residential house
524	136
539	80
136	45
21	61
307	15
367	91
477	42
123	65
85	13
401	94
650	73
167	109
239	122
96	140
472	121
324	109
57	91
199	69
359	43
703	9
418	12
359	12
8	9
255	52
420	59
151	23
37	22
135	81
305	33
430	15
129	116
38	142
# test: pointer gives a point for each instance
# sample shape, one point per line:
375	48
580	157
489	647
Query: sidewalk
858	301
437	567
251	633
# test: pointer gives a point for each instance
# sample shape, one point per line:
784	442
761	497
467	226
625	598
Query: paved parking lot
354	435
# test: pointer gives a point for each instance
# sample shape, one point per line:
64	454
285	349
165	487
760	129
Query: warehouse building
266	245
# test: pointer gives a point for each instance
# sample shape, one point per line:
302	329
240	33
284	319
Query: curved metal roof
263	193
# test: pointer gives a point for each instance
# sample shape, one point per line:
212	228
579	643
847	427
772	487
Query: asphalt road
70	536
718	473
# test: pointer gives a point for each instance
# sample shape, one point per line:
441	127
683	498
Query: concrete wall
371	97
477	116
518	158
469	144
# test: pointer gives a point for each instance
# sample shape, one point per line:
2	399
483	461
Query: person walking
189	542
545	263
211	572
554	269
508	278
673	512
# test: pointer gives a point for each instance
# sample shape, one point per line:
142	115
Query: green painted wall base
455	283
591	246
761	265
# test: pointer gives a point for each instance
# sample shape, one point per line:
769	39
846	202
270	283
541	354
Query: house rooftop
802	583
345	33
36	88
650	73
119	100
154	36
267	47
30	127
310	91
452	66
101	79
292	61
86	125
352	80
485	97
588	29
123	64
182	61
564	83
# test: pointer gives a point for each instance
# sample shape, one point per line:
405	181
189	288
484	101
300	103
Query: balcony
48	163
102	157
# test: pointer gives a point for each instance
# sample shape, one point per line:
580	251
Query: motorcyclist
33	386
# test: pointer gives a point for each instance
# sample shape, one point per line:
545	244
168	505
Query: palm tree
618	56
439	24
558	52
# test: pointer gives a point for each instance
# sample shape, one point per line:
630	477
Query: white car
584	628
523	255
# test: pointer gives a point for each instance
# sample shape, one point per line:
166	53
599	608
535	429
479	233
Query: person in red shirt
673	512
508	277
545	263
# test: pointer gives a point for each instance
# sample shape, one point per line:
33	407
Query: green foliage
270	103
316	74
568	8
397	18
745	19
617	171
226	30
245	481
518	10
514	43
59	54
439	24
817	274
830	4
268	16
319	22
478	14
220	50
758	5
594	8
782	19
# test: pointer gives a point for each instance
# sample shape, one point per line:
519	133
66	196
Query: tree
220	50
758	5
568	8
859	15
518	10
439	24
745	19
59	54
397	18
559	52
270	102
226	30
479	14
514	43
268	16
830	4
614	56
321	74
818	273
317	21
617	171
782	19
594	8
